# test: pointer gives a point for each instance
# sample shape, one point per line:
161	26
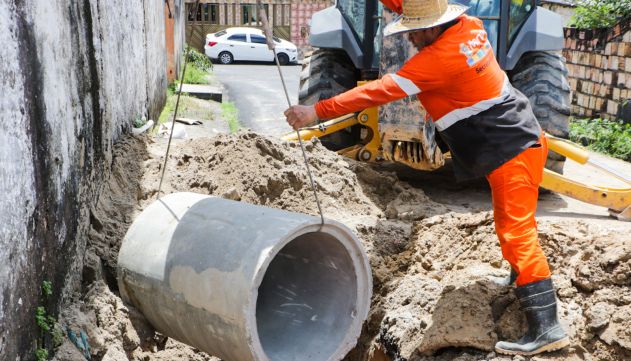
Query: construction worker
491	131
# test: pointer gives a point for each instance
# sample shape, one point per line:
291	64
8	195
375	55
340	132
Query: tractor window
519	10
489	12
482	8
492	31
355	13
378	37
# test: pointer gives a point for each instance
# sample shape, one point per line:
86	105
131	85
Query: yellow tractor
526	39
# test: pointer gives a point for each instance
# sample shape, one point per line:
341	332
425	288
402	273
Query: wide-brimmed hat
423	14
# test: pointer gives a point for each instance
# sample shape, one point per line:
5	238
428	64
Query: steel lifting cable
270	44
177	102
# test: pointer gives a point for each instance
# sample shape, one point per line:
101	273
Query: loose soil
436	266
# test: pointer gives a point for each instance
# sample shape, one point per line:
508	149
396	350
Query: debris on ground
436	268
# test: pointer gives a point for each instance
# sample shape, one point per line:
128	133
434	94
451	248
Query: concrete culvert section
310	288
246	282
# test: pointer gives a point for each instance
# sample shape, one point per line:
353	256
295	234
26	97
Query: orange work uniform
488	125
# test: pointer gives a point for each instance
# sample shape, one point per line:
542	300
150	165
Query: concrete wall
599	64
73	75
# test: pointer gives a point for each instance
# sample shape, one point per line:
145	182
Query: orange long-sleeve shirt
454	77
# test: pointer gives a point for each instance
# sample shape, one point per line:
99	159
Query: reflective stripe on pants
515	187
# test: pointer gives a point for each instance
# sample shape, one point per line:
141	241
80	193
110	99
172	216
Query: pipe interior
306	302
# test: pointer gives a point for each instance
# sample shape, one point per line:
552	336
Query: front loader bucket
405	135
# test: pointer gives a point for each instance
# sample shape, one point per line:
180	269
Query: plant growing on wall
592	14
48	328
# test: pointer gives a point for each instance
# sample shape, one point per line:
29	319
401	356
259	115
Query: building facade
289	18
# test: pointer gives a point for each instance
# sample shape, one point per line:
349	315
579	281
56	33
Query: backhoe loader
526	39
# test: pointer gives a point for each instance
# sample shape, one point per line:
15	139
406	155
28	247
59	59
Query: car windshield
220	33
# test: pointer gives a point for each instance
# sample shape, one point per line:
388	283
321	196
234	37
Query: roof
244	30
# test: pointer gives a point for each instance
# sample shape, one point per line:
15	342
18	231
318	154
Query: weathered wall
174	37
599	64
73	75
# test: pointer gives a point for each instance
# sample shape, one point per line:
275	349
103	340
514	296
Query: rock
131	341
232	193
92	268
114	354
598	315
619	329
424	316
68	352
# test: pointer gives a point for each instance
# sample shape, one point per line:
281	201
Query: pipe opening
307	300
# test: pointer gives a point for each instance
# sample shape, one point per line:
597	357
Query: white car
247	44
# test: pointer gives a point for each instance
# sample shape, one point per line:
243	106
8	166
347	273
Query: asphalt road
257	92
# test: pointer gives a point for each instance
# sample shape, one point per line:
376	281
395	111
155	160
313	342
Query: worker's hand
299	116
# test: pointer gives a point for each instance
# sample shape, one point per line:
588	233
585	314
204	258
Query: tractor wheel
542	77
326	73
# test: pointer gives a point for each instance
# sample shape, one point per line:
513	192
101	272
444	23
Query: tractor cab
359	24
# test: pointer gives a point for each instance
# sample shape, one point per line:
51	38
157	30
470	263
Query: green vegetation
602	135
194	75
592	14
139	122
230	114
169	108
41	354
198	67
201	61
47	324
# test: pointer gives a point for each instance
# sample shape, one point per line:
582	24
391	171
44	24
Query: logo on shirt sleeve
476	48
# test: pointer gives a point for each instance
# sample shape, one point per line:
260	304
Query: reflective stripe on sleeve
405	84
456	115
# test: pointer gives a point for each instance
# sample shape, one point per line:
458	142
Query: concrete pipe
245	282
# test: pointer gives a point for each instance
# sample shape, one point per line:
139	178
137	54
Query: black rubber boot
538	301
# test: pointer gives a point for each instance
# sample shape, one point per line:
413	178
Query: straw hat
423	14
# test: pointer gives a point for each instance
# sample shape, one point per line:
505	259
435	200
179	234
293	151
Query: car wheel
225	58
283	59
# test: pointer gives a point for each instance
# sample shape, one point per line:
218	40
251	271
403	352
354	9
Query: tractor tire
542	77
326	73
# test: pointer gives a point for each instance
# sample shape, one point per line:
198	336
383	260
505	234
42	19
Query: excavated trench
435	266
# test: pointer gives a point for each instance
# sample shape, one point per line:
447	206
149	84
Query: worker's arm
390	87
423	72
420	73
394	5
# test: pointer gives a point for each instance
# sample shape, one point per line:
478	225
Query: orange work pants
515	188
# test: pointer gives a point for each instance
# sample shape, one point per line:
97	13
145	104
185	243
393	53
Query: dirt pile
435	268
258	170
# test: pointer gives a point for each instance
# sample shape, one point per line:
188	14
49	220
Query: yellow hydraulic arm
617	200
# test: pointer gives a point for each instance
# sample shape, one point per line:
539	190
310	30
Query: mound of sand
435	269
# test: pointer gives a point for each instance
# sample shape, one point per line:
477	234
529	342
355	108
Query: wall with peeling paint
73	76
